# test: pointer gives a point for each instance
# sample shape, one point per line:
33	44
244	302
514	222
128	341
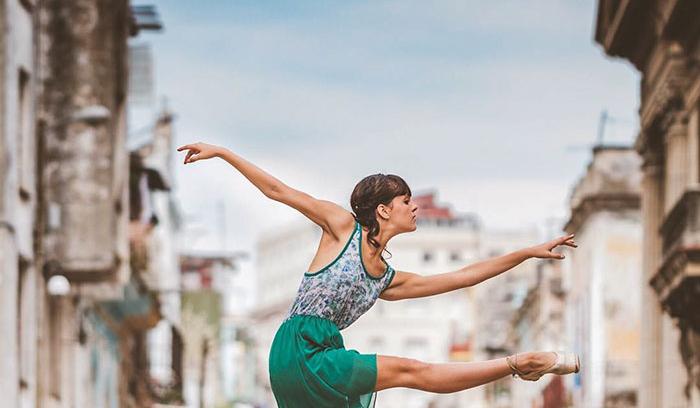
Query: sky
493	106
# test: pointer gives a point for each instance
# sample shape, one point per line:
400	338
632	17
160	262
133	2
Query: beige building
661	39
498	300
540	324
603	274
72	311
21	280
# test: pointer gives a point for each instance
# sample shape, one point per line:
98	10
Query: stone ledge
600	202
681	226
677	284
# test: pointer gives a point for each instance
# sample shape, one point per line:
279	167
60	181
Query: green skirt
310	367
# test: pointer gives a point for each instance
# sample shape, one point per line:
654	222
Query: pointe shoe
565	363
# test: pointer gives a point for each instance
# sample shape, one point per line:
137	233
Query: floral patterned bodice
342	291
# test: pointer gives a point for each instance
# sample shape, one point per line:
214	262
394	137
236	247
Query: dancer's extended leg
450	377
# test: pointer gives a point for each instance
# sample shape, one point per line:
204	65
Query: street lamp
58	285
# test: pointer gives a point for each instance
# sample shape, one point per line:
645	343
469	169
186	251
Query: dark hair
369	193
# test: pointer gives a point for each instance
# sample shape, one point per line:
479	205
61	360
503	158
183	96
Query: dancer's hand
200	151
544	251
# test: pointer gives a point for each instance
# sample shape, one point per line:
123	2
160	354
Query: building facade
21	280
73	311
661	39
604	298
539	324
498	300
215	347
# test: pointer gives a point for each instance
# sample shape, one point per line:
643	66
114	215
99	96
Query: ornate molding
681	226
600	202
627	29
677	282
663	93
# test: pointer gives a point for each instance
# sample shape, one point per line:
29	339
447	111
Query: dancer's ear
383	211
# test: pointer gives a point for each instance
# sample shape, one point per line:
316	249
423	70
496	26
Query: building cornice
600	202
677	280
626	30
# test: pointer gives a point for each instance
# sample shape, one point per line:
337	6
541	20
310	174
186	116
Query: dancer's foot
532	366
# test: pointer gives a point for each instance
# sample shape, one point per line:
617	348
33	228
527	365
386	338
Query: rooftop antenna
602	122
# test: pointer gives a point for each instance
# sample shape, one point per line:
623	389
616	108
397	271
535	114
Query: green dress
309	365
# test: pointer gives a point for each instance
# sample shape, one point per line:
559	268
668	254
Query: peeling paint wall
85	171
19	279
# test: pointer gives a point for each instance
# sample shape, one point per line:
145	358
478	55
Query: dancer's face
403	213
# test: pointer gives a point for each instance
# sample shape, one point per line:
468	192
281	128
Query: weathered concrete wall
19	279
3	159
85	165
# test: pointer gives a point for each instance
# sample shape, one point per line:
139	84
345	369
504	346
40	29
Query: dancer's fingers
188	156
566	238
556	255
561	241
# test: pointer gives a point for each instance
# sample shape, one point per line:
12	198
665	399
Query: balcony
677	281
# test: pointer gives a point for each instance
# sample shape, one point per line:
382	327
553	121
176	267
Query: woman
309	365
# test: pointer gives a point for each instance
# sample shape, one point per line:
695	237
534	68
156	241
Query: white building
438	329
21	282
215	335
540	325
498	301
162	275
603	281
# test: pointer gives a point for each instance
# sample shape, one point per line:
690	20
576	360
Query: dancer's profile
309	365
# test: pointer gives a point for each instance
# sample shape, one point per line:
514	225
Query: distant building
604	297
155	215
212	339
498	301
539	324
660	39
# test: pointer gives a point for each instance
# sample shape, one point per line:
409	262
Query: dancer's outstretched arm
407	285
331	217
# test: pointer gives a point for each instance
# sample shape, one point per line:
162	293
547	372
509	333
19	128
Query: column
650	347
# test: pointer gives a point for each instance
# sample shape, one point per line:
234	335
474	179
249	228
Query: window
54	307
427	256
24	136
455	256
21	316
